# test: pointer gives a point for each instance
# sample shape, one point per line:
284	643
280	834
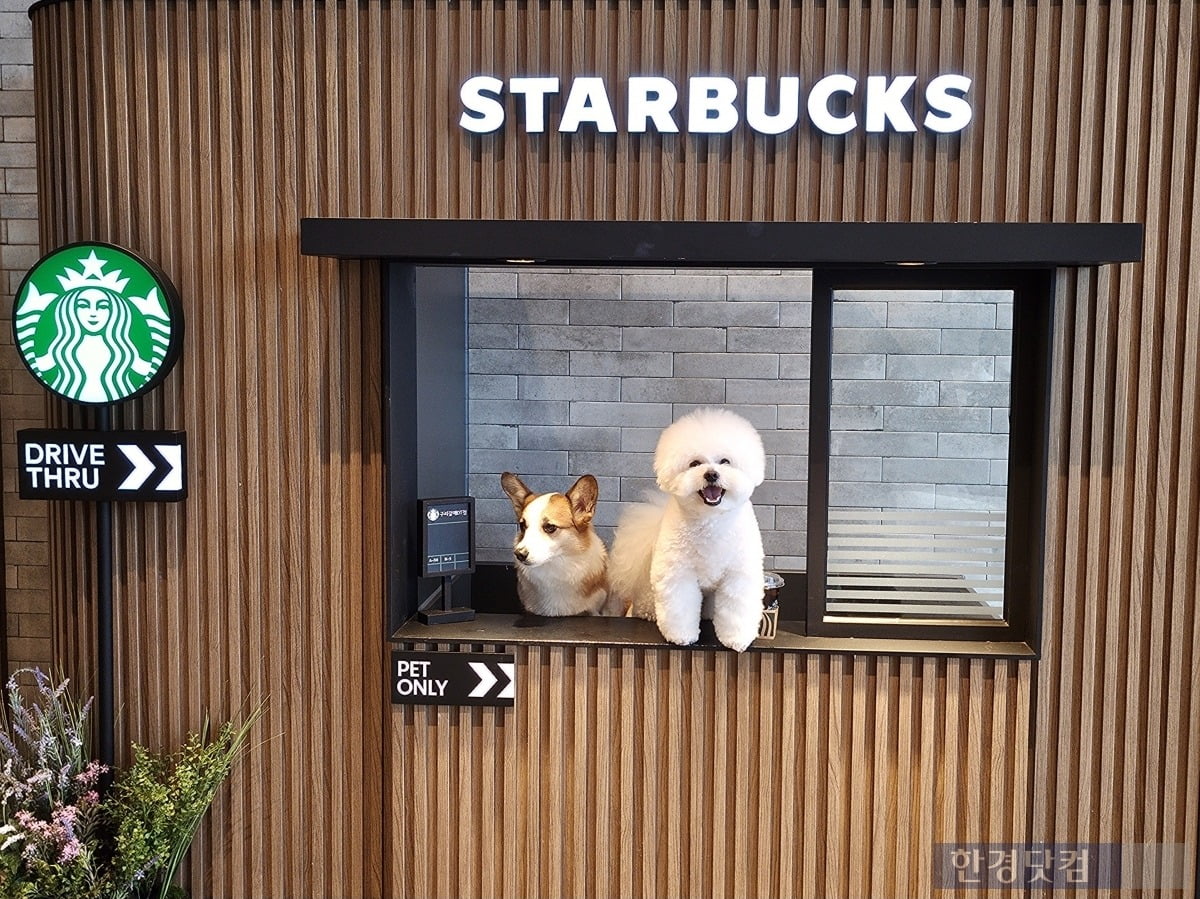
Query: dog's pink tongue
712	493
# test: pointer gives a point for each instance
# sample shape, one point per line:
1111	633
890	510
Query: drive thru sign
97	325
102	465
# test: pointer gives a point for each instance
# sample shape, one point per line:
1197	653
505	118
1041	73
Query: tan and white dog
561	560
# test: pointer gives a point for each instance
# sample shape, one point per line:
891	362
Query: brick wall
23	402
920	399
577	371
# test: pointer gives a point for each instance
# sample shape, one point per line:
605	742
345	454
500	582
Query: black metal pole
104	618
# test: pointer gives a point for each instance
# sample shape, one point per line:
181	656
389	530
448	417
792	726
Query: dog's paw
680	636
737	638
738	644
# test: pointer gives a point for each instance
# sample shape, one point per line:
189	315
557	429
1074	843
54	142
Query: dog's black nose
522	554
712	477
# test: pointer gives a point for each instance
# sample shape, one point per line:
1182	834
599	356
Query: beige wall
26	575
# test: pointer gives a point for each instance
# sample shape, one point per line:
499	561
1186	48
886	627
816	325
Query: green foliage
157	804
60	838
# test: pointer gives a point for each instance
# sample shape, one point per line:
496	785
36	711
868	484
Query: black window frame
410	250
1032	331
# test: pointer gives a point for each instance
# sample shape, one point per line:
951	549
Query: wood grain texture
716	798
200	134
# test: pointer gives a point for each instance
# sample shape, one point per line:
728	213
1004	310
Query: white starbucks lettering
717	104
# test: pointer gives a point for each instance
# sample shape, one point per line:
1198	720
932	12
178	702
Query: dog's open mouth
712	495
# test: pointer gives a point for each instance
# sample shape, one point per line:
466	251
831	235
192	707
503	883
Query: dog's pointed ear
516	490
583	496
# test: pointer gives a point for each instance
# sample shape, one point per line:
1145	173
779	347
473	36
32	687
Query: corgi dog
562	565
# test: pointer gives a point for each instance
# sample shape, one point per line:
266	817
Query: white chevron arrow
174	456
509	688
486	678
142	466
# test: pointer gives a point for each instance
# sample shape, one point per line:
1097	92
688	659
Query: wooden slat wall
157	127
1117	721
199	134
632	772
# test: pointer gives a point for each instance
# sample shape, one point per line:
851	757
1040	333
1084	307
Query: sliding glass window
929	400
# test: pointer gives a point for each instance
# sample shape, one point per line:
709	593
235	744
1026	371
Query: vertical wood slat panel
177	167
731	809
265	586
1128	500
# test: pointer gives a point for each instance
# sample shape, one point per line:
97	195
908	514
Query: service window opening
930	402
907	508
577	371
905	494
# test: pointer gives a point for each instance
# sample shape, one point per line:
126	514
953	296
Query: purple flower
70	850
90	776
66	816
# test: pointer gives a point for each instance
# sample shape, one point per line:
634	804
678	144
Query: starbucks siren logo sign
96	324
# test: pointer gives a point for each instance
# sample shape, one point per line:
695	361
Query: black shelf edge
510	630
723	244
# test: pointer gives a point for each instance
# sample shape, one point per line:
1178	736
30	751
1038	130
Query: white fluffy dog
700	553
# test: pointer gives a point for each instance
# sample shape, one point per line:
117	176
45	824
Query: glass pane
918	454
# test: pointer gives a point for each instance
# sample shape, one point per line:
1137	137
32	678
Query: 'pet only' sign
453	678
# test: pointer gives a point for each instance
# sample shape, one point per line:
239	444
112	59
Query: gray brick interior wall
920	399
576	371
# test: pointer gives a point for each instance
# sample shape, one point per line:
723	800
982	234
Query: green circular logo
96	324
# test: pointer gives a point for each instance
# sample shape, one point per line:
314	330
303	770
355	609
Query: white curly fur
697	552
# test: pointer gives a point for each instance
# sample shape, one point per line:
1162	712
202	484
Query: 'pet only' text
412	679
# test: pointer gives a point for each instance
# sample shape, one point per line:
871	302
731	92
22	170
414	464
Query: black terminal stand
448	613
447	549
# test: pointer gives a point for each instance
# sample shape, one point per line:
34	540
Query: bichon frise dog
700	553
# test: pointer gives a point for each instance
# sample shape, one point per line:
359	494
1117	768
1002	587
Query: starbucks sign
96	324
